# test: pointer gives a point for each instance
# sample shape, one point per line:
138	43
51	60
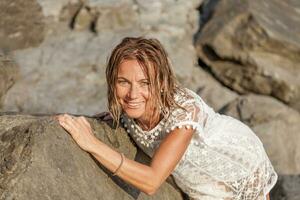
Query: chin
135	114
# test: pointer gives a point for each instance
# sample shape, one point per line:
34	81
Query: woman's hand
80	130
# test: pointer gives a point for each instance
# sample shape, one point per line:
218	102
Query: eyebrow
144	79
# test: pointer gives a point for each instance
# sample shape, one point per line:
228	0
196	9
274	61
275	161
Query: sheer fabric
225	159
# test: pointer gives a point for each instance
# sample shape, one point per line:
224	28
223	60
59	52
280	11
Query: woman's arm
146	178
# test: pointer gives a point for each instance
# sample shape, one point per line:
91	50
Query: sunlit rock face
253	46
65	72
39	160
242	57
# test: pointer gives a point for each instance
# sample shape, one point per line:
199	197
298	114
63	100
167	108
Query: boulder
254	46
9	72
287	187
210	90
40	160
21	24
65	73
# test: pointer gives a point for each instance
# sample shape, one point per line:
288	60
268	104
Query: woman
211	156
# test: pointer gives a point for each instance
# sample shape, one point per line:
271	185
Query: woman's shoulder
183	95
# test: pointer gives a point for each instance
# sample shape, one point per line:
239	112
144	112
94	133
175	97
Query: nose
133	92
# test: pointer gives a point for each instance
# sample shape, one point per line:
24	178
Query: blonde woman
210	156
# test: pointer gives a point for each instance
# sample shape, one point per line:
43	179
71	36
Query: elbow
151	191
152	188
152	184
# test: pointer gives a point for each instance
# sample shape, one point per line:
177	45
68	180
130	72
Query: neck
148	124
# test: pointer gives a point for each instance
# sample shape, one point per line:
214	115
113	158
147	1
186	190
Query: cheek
121	92
146	95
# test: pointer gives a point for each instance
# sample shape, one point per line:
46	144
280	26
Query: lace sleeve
190	115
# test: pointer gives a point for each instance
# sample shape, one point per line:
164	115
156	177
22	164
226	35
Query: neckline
154	129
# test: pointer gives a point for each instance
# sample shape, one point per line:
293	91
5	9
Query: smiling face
133	63
132	89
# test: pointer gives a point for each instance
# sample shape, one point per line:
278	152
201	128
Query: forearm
139	175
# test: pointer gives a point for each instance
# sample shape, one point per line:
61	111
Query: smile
134	104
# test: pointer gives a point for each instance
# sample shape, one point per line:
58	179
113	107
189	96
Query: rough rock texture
8	74
21	24
39	160
215	94
61	46
287	188
254	46
65	73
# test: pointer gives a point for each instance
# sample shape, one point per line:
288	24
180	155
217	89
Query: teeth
133	104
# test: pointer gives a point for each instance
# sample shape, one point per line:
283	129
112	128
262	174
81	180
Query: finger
65	125
70	118
57	116
84	120
70	121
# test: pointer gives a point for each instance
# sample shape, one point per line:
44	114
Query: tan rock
9	73
253	46
21	24
40	160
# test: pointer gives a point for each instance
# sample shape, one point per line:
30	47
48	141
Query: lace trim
187	125
145	138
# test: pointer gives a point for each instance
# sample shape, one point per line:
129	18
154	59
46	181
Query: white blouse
225	159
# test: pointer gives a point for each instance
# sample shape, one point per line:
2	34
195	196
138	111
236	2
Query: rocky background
241	56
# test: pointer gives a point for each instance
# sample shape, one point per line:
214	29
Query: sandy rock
40	160
67	76
9	73
52	8
210	90
287	187
253	46
21	24
66	72
83	20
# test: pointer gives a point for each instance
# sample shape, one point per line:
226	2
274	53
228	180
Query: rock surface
254	46
9	72
59	50
287	188
65	73
39	160
21	24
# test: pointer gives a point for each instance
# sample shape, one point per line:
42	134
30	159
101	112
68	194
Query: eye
123	82
145	83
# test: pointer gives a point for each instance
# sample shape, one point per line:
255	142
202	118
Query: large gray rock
253	46
287	188
65	73
210	90
9	72
21	24
39	160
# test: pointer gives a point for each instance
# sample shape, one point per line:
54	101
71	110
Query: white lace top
225	159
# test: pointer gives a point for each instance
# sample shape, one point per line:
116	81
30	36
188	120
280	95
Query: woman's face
132	89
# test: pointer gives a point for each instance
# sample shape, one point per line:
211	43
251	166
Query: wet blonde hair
153	58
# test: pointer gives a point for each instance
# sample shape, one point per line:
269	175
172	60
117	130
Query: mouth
134	104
